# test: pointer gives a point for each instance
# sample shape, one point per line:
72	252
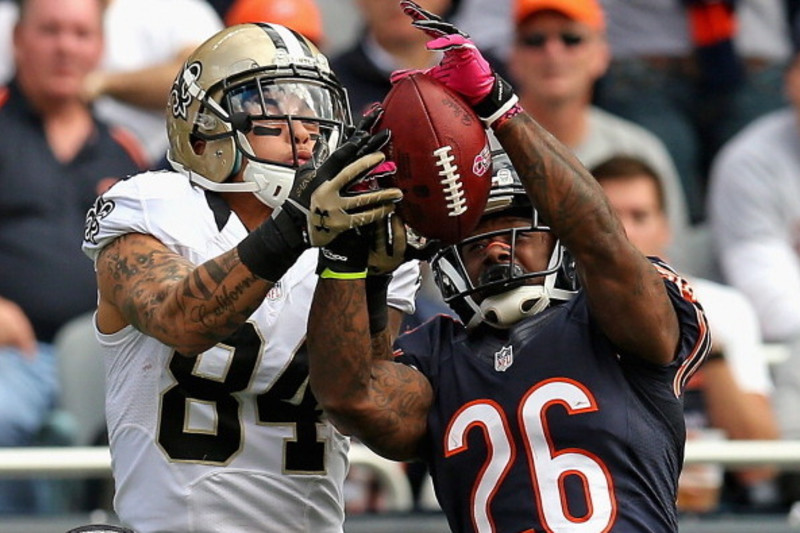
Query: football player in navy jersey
555	403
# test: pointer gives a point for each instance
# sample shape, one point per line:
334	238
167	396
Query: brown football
442	155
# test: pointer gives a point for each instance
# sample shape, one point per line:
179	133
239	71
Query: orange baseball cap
300	15
588	12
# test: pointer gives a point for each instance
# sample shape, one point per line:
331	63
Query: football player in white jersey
205	279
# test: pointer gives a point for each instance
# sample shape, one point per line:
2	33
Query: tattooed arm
162	294
383	403
625	292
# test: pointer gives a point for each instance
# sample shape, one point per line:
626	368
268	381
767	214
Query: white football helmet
507	296
252	72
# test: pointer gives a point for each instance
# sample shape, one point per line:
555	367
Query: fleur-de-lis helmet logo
180	96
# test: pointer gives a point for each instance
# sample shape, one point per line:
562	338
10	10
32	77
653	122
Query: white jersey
231	439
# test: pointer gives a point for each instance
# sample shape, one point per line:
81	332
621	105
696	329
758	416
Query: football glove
393	243
462	69
319	207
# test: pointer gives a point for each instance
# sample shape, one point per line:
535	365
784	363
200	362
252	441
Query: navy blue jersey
545	427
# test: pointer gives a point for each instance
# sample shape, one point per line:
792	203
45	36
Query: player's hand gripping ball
442	155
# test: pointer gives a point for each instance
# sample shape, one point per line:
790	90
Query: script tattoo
190	307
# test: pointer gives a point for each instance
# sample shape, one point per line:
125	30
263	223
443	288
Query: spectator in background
55	158
692	87
387	43
147	41
16	331
489	24
732	391
754	211
559	52
300	15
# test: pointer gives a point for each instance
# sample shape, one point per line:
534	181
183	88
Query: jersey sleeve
161	204
695	337
403	288
115	213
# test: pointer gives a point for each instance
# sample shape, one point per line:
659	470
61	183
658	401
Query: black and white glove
345	257
319	207
318	204
393	243
463	68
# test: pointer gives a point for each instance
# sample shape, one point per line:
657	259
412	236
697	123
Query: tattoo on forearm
346	367
210	300
382	345
224	304
565	194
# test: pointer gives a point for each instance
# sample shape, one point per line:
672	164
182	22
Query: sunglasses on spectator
538	40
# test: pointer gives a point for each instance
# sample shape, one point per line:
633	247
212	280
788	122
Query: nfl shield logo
276	292
503	358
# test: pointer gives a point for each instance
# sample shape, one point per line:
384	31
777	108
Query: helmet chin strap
506	309
272	182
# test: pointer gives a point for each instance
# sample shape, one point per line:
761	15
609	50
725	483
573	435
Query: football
442	155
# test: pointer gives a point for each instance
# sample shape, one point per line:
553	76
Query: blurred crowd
686	111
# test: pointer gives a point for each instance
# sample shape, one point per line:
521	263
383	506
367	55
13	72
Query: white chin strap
269	183
272	182
506	309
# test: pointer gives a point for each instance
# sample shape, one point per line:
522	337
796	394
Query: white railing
82	462
784	454
96	461
72	462
55	462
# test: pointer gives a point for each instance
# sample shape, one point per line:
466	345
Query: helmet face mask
505	292
272	107
247	82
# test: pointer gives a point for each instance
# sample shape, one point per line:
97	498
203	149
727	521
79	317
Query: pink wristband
515	110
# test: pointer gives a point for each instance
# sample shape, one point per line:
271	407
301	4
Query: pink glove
462	69
379	177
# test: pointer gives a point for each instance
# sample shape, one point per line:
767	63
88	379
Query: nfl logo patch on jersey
503	358
276	292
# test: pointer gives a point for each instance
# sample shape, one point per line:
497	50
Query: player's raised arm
626	293
192	307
